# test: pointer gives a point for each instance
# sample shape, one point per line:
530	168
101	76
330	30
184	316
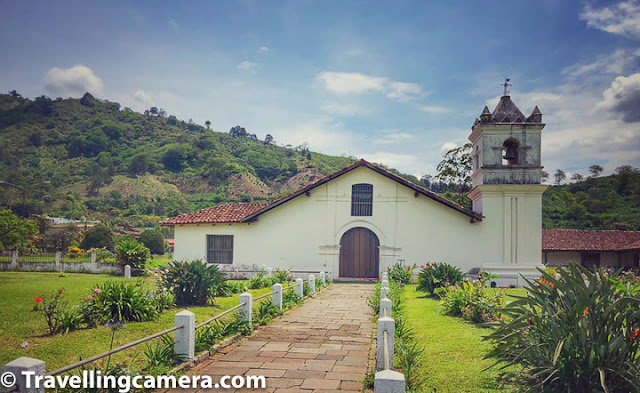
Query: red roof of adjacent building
244	212
585	240
227	213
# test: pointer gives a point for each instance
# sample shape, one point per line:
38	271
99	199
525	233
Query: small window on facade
220	249
361	200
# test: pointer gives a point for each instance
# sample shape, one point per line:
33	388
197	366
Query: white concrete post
25	364
330	273
277	295
247	308
385	307
312	284
300	287
389	381
94	257
184	340
14	259
385	324
269	271
58	264
384	283
384	292
127	272
323	278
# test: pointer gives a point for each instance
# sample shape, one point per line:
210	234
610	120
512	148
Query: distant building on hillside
591	248
362	219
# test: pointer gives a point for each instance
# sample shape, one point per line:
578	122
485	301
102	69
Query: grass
18	323
159	261
454	350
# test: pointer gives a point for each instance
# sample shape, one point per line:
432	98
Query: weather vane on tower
505	85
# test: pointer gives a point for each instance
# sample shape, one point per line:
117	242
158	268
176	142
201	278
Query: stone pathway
321	346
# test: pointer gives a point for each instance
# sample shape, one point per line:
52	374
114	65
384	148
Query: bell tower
506	177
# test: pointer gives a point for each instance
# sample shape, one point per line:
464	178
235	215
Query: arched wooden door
359	254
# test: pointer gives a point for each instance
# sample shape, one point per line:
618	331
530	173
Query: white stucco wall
305	233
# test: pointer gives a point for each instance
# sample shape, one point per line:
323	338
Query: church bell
510	154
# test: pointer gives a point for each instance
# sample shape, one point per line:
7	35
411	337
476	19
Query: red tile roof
227	213
244	212
584	240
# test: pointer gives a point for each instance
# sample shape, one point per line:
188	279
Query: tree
153	240
559	176
576	177
14	232
132	253
15	94
455	168
98	236
268	139
207	124
595	170
162	112
238	131
153	110
172	120
544	176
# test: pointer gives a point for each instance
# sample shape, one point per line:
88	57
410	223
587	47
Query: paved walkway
321	346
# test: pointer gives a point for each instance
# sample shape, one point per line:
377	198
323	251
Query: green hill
611	202
88	157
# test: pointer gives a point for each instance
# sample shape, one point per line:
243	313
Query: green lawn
159	261
454	350
18	323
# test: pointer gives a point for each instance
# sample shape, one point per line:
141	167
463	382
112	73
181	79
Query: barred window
361	200
220	249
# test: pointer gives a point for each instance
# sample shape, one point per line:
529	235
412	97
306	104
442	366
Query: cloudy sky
395	82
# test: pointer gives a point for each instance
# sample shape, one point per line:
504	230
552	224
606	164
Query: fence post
269	272
323	278
389	325
312	284
384	292
25	364
389	381
277	295
384	283
385	307
246	310
300	287
127	272
184	340
330	274
94	257
58	263
14	259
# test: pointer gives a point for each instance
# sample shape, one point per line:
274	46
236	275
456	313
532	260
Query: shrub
103	255
217	331
119	301
400	273
52	307
70	320
437	275
470	302
575	333
260	280
290	299
132	253
74	252
153	240
194	283
265	312
97	237
282	276
237	286
159	357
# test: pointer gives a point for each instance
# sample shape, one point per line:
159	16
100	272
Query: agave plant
438	275
194	283
574	332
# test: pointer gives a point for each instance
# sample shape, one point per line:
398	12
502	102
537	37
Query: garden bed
19	324
454	350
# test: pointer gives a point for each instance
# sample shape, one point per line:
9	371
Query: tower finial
505	85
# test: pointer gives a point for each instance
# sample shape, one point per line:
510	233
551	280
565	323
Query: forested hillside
610	202
89	157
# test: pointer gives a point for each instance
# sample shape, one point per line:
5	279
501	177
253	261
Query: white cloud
434	109
263	49
320	134
142	97
622	18
403	91
615	63
350	82
623	98
174	25
339	109
72	82
448	146
392	137
247	66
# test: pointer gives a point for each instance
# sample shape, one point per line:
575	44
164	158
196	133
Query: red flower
585	312
38	299
635	334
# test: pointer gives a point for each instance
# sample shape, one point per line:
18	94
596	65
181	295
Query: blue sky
393	82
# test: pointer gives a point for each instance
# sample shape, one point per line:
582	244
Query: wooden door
359	254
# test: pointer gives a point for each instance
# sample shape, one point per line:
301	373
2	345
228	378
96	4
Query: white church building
362	219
